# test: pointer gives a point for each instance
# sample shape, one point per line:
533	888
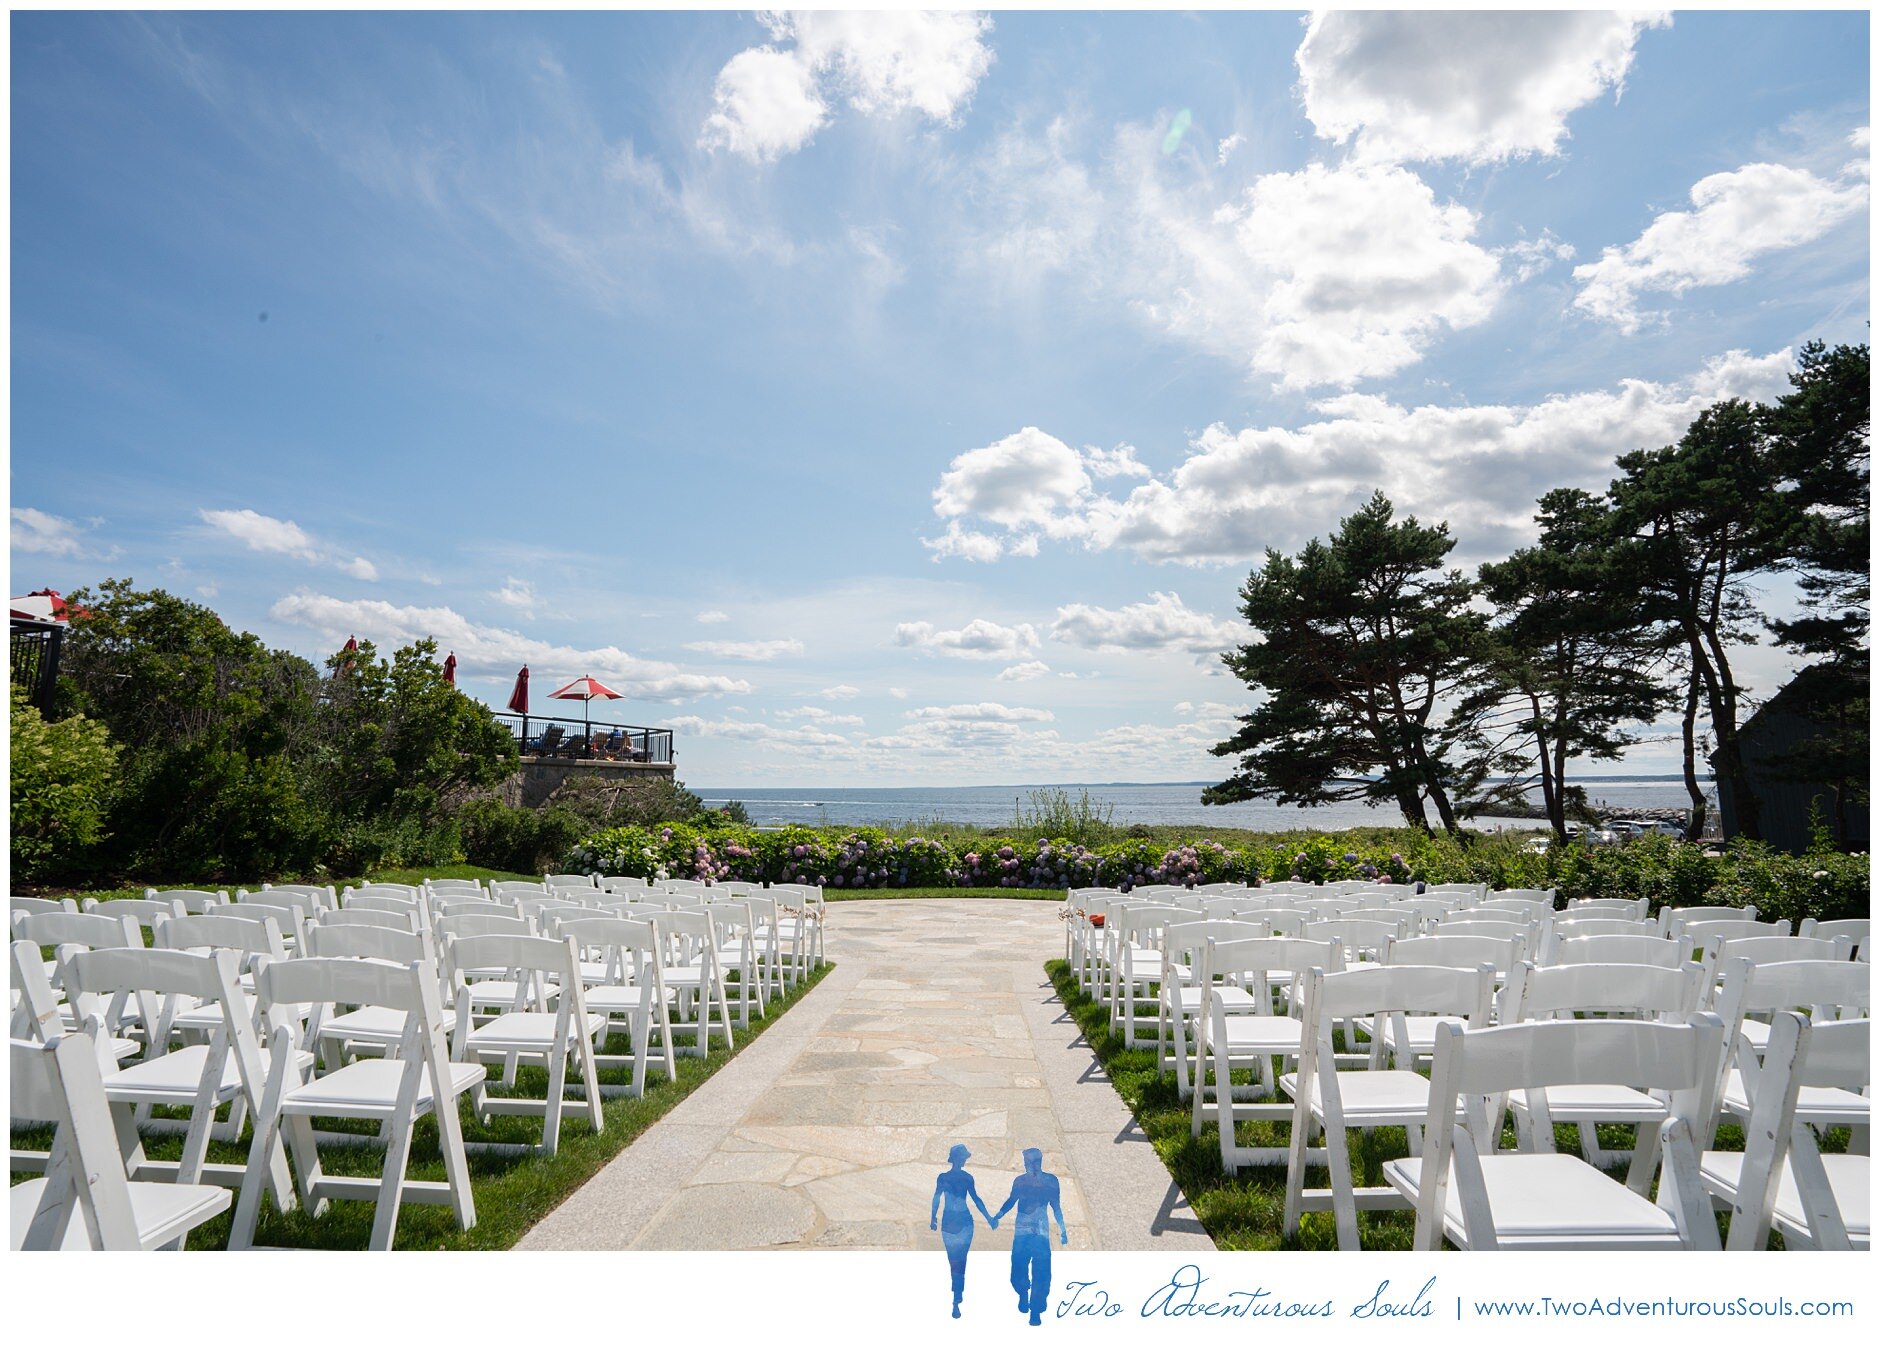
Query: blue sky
882	399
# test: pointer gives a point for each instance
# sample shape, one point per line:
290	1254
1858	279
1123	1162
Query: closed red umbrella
519	697
345	662
585	689
450	669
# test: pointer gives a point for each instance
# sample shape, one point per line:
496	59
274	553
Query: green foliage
1360	641
59	786
526	841
1055	815
241	763
1669	872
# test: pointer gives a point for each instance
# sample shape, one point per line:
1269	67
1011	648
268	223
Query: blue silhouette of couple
1034	1196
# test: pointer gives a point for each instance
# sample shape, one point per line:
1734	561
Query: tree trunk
1699	804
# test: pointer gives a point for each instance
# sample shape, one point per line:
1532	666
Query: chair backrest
36	1014
1836	989
317	895
1706	934
1500	930
452	908
146	912
368	893
290	919
93	931
1474	892
1720	956
191	899
1397	992
1855	929
560	881
360	912
1255	958
1542	896
1683	921
308	902
485	924
1568	928
180	978
1636	908
1650	948
1644	991
252	940
33	907
625	884
1358	936
1186	940
530	954
1520	916
557	918
59	1082
1459	952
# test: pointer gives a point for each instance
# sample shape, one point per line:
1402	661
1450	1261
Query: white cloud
997	713
1736	217
840	692
757	651
1481	468
518	595
1226	147
816	715
1477	86
1205	709
1024	671
1023	479
770	101
495	653
36	531
1159	624
897	691
764	734
265	534
712	617
1324	275
960	543
1118	462
1364	269
980	638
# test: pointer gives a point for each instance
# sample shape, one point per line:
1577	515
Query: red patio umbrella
519	697
585	689
450	669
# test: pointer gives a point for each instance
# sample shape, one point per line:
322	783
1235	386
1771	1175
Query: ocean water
1153	804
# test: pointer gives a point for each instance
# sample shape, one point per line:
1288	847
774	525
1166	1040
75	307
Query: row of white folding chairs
1241	1031
379	1024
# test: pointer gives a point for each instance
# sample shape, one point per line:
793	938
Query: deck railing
597	739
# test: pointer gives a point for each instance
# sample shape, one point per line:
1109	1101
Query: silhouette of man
1034	1192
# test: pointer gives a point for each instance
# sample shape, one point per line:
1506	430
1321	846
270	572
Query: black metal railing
588	739
34	659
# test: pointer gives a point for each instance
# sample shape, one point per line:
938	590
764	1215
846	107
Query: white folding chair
1601	948
1829	989
1336	1102
1720	954
1783	1180
34	907
85	1201
1583	991
188	901
1634	908
396	1092
553	1039
1466	1190
1683	921
691	971
1179	998
1227	1039
639	998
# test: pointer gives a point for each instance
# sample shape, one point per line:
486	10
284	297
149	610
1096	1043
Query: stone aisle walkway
937	1027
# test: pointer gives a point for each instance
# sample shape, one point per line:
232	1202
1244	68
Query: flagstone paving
937	1027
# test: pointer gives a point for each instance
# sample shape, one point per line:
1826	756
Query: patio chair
545	742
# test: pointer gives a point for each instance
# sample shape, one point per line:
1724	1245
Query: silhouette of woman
955	1187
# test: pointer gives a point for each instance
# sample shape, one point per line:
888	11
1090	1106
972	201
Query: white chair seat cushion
1597	1101
1817	1105
501	992
162	1211
615	997
1848	1177
375	1025
172	1078
1388	1096
1260	1034
1234	999
525	1031
370	1086
1541	1200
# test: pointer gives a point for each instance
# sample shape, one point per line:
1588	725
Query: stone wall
541	776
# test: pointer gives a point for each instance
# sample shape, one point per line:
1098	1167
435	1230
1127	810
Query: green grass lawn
511	1193
403	876
1245	1211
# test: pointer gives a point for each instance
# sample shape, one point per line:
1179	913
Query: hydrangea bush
1819	884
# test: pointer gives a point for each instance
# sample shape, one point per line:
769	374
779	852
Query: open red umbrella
450	669
585	689
519	697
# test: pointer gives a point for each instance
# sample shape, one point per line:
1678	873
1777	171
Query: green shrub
523	841
59	790
1670	873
